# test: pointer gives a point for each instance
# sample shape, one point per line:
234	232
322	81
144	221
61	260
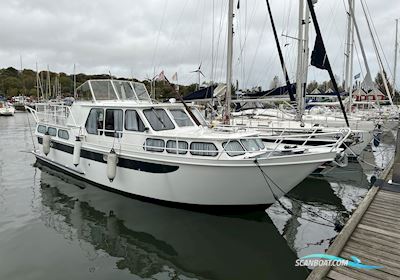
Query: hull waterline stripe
122	162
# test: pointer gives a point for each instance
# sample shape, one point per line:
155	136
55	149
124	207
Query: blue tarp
204	93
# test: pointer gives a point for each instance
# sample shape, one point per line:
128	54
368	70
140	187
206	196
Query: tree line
14	82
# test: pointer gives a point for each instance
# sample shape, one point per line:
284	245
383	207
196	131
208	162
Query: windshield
158	119
124	90
103	90
141	91
181	118
253	144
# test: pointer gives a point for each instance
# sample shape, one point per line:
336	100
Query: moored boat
114	136
6	109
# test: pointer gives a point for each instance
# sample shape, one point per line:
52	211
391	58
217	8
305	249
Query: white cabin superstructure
116	137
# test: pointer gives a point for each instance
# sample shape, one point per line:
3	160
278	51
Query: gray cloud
145	37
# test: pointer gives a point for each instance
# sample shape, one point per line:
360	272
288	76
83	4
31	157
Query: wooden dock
372	234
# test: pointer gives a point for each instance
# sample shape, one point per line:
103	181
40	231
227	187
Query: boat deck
371	234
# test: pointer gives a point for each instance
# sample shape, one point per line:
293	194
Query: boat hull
196	185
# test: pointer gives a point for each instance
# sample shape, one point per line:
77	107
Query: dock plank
376	243
385	273
381	223
381	226
385	259
379	231
373	234
339	276
376	235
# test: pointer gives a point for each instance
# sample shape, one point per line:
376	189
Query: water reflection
149	239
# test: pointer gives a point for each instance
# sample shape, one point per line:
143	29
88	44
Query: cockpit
121	90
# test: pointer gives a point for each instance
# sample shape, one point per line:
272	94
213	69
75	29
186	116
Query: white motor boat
6	109
115	137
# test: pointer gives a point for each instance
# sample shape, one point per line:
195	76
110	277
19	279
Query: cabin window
133	122
233	148
94	123
83	92
182	147
113	123
181	118
41	129
103	90
141	91
125	90
154	145
52	131
203	149
199	116
158	119
253	144
63	134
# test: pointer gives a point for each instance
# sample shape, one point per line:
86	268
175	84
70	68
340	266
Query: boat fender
46	143
111	165
77	151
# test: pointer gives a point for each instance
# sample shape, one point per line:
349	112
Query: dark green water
55	227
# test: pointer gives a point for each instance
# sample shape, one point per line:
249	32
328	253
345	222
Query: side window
133	122
41	129
63	134
52	131
154	145
182	147
252	145
203	149
94	123
158	119
113	123
233	148
181	118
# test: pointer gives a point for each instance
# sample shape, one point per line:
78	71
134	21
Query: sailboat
362	132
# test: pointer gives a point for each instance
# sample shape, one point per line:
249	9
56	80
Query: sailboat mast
74	81
324	64
37	82
348	79
396	45
278	46
368	74
379	59
227	113
300	60
306	53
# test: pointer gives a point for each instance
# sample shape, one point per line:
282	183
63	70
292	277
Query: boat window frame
155	149
138	117
235	153
51	128
153	110
177	150
194	152
99	130
41	125
63	130
113	133
187	115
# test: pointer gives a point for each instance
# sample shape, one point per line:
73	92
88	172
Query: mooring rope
289	211
30	130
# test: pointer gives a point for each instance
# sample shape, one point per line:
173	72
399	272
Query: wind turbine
198	71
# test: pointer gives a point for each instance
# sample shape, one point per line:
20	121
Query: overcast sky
143	37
